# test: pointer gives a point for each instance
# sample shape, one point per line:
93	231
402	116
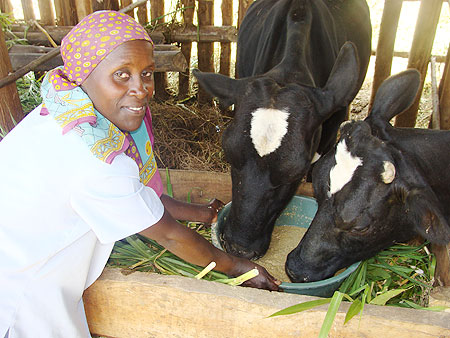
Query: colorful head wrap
82	49
90	41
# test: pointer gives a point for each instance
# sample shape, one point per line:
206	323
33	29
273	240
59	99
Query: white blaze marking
268	127
344	169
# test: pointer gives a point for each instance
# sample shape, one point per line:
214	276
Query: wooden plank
385	47
84	8
202	186
420	53
47	13
166	58
444	95
6	7
205	49
28	11
186	47
157	18
125	3
225	47
151	305
10	106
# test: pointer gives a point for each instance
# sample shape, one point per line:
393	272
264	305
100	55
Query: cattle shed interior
202	34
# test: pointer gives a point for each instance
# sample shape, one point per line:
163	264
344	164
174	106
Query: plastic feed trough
299	212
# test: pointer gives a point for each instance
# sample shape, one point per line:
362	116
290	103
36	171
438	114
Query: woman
78	173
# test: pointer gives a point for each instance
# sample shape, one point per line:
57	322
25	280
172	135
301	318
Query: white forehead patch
344	169
268	127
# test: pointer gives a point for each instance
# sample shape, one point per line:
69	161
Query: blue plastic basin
299	212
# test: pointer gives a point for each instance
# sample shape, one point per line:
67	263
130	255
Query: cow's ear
342	84
395	95
218	85
429	222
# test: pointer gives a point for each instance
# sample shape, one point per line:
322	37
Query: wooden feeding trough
152	305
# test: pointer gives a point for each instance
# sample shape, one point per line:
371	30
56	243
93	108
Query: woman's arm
192	247
206	213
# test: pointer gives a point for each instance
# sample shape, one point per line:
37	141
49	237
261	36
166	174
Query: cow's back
319	27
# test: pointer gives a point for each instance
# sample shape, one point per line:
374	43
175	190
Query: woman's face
122	83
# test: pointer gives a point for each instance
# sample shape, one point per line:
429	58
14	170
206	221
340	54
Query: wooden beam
34	58
151	305
186	48
420	53
10	107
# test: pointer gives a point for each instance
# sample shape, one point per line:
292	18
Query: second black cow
379	185
297	75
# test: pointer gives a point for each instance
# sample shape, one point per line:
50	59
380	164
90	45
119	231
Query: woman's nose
138	88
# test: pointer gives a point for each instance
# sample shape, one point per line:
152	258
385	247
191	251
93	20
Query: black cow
293	93
379	185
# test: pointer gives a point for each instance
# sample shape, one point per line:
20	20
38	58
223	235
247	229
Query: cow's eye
359	229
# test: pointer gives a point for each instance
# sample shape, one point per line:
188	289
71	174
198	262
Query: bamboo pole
205	49
186	47
385	47
435	116
10	107
28	12
125	4
47	13
59	12
157	17
444	95
225	47
420	53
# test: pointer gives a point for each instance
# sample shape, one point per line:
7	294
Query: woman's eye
122	75
147	74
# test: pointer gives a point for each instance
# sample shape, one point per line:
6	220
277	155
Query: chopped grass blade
331	314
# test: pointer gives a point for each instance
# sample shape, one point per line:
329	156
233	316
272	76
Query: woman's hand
264	280
214	207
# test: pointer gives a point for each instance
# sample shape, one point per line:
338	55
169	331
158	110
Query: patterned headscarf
90	41
82	49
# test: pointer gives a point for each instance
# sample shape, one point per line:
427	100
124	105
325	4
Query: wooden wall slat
84	8
47	13
225	47
10	106
205	49
444	95
186	48
6	7
386	41
420	53
125	3
28	11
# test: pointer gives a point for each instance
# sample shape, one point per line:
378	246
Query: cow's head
370	194
270	144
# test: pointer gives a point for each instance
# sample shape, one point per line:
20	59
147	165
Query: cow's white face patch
268	127
344	169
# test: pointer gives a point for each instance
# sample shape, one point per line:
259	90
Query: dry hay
188	136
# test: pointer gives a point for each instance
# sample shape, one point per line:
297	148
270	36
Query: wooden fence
68	12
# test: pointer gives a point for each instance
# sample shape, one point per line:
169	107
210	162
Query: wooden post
225	47
47	13
28	12
142	14
444	95
6	7
186	47
205	49
10	106
420	53
59	12
385	47
243	6
98	5
84	8
125	3
157	11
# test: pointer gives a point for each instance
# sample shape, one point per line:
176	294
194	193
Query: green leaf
356	307
169	185
384	297
301	307
331	314
431	308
